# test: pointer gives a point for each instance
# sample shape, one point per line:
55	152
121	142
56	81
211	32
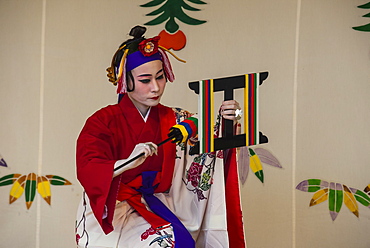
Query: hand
148	148
229	108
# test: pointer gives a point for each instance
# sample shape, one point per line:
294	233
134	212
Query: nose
155	86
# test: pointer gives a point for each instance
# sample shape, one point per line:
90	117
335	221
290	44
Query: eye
160	77
145	81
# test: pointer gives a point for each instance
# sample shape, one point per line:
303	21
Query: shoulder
105	114
99	123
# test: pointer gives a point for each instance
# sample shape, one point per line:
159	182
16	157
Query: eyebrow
148	75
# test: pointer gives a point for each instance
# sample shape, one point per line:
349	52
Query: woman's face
150	83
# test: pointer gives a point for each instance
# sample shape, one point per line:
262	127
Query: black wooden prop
228	85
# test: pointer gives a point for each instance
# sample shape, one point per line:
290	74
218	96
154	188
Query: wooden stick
141	154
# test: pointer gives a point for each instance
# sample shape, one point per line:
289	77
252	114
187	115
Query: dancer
166	198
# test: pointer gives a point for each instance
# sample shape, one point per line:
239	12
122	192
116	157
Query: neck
142	109
143	112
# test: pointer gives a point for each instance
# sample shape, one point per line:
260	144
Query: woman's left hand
228	110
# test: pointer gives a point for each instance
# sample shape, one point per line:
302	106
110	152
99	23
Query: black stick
141	154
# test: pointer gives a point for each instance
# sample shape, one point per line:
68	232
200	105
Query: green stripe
314	181
255	108
194	120
57	180
331	199
7	180
362	198
339	200
30	189
259	175
313	188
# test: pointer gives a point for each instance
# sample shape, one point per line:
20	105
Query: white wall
314	105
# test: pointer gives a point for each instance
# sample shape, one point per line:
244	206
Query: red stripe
254	108
192	126
251	110
234	217
204	116
210	130
207	116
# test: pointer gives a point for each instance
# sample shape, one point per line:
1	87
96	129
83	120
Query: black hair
130	77
137	33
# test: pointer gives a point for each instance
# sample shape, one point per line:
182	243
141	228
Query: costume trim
234	216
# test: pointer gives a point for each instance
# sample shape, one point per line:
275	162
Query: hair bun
137	31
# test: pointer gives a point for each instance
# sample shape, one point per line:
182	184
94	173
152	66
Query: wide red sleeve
95	164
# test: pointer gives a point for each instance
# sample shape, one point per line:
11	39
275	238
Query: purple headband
148	50
137	58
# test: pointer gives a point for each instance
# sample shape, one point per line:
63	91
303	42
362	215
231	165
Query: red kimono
110	135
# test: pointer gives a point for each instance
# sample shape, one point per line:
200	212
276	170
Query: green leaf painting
30	184
254	158
337	194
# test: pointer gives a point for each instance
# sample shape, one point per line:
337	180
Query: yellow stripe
184	132
17	190
44	189
120	71
246	109
255	163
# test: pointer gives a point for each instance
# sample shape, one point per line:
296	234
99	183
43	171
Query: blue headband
136	59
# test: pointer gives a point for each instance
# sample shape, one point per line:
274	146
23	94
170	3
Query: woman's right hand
148	148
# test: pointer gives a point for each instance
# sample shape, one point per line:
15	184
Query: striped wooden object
251	128
250	83
206	112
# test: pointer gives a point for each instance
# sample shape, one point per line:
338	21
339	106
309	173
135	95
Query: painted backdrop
314	106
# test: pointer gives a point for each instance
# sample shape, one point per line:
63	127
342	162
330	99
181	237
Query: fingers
148	148
153	148
230	104
231	110
229	117
138	155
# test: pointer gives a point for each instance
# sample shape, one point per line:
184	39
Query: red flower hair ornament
148	47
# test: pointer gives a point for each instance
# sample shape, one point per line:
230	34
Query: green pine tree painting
366	27
170	10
